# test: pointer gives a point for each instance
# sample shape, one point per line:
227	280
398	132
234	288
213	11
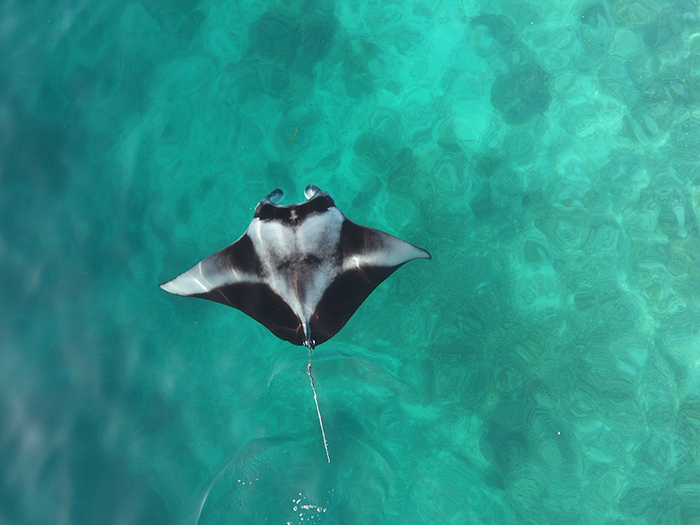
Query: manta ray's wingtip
425	254
174	288
414	252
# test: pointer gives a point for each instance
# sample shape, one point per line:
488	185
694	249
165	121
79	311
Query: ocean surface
542	368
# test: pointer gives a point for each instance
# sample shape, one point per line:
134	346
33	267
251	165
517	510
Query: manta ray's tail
310	345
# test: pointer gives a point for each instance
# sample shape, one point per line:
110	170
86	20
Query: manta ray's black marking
300	270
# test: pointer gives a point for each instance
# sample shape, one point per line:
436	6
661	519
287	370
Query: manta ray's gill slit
225	297
363	274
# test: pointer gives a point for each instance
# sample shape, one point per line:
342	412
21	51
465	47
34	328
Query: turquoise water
543	368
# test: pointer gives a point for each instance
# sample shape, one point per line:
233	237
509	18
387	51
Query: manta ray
301	270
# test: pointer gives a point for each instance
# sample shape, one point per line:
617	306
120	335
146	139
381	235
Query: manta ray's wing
233	276
368	256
